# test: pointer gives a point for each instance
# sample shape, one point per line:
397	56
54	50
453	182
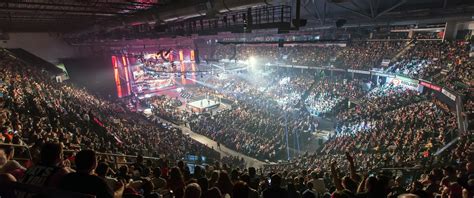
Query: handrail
23	146
446	146
114	154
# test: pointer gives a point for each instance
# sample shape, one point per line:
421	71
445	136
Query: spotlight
252	61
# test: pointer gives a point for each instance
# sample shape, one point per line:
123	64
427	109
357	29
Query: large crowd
250	127
37	110
354	55
446	62
326	95
66	129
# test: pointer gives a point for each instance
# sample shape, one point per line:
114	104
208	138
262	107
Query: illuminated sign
448	94
431	86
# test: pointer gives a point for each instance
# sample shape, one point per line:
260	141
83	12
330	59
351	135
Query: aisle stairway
409	45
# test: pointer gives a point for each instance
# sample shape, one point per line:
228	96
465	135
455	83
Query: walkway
224	151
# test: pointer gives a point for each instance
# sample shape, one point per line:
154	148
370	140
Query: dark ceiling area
66	15
104	16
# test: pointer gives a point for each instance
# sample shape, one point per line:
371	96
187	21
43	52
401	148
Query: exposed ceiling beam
372	9
350	10
358	6
317	12
391	8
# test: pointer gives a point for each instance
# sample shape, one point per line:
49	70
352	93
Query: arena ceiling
72	16
67	15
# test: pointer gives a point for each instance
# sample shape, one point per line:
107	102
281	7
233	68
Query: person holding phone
275	190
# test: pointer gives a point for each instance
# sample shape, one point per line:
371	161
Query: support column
450	31
410	34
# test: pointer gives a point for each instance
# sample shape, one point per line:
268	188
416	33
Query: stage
203	105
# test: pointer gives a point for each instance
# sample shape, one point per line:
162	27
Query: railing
20	158
117	159
438	152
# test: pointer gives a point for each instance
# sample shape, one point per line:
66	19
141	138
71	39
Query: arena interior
237	98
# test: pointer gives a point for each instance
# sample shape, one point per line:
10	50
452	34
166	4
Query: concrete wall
466	25
49	46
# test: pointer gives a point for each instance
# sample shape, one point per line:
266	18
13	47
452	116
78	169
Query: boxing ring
202	105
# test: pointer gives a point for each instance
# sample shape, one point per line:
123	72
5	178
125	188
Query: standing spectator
254	180
309	192
176	182
275	190
224	183
192	190
206	191
318	183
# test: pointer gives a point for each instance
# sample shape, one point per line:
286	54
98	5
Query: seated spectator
5	190
102	171
159	183
7	163
50	170
83	181
147	188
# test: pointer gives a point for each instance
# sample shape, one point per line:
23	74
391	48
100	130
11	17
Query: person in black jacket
275	190
83	181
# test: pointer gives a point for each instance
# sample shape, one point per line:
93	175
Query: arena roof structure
104	16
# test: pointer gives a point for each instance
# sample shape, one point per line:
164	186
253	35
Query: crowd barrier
117	159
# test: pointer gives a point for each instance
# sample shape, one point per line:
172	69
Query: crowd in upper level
445	62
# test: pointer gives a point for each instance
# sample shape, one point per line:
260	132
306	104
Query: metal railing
20	158
117	159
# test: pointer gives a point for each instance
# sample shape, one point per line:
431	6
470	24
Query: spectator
224	183
275	189
176	182
158	182
49	172
309	193
7	163
102	171
84	181
192	190
206	191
